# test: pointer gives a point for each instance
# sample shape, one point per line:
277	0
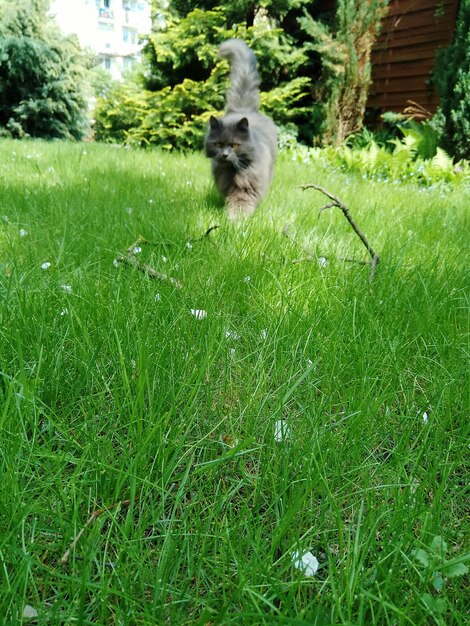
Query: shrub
173	109
401	161
40	75
453	79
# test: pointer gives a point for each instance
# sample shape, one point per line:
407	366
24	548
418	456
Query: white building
111	28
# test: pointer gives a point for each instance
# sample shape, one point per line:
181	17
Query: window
129	35
129	62
105	27
107	63
104	9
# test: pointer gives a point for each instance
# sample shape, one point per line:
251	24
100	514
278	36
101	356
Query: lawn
262	405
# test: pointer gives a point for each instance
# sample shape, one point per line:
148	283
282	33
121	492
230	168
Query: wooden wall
405	53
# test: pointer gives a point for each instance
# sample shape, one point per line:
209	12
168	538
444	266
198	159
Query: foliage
315	71
169	118
345	50
422	135
242	12
41	75
409	159
173	110
453	78
435	568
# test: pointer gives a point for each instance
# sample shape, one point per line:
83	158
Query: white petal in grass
306	563
128	210
247	279
199	314
282	431
322	262
137	250
164	259
46	265
264	333
67	288
23	232
232	352
116	263
189	245
64	312
158	297
29	612
232	334
425	417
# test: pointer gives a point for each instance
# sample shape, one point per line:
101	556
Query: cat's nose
225	155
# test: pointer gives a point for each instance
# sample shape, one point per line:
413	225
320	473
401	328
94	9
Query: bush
453	79
402	160
172	110
40	75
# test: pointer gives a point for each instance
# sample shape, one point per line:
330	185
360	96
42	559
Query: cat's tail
243	94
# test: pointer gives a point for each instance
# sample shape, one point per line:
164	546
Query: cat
242	143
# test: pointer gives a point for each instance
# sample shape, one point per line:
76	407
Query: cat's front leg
240	207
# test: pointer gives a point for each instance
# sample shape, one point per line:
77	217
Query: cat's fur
243	143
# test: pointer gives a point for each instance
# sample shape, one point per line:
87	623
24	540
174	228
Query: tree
345	50
41	75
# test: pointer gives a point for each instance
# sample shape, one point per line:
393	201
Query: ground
265	404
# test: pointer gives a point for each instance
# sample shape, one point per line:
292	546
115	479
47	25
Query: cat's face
229	143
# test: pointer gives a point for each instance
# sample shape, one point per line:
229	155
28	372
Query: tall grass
112	390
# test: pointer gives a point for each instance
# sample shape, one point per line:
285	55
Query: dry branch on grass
336	202
131	260
130	257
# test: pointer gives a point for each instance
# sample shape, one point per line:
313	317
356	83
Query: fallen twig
208	231
338	203
131	260
137	242
89	523
133	249
311	257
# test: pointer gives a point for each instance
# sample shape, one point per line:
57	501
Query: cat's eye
218	144
235	145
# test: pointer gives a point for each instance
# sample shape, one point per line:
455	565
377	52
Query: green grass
112	392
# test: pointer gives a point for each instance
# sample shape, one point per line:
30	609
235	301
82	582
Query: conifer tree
41	73
453	79
345	51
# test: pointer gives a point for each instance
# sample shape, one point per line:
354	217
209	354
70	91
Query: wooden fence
404	56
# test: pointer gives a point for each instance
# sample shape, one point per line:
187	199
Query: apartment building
111	28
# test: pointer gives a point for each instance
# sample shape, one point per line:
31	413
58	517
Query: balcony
105	14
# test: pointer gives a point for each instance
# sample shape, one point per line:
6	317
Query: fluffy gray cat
242	144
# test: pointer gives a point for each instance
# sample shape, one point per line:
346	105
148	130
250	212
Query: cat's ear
214	123
242	125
